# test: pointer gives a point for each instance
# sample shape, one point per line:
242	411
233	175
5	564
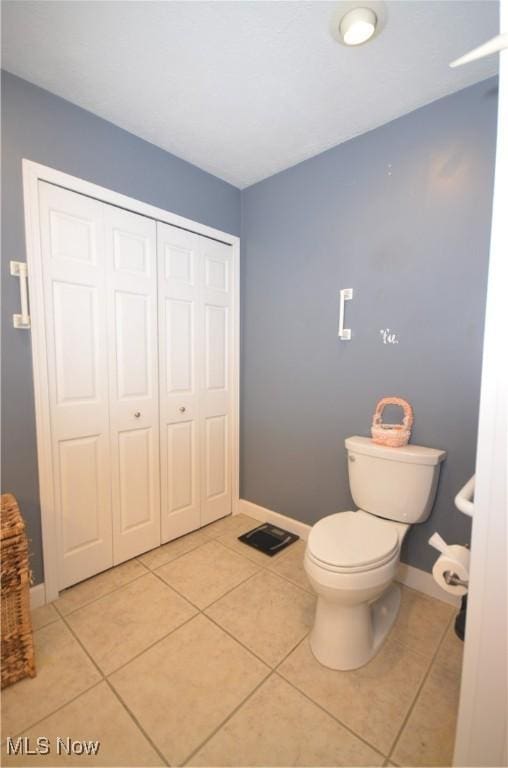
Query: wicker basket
17	644
393	435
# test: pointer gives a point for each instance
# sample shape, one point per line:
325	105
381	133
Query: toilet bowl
351	558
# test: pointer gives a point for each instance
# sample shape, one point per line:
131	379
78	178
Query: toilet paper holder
454	580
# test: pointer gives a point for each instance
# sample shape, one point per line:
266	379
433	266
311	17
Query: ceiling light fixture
357	26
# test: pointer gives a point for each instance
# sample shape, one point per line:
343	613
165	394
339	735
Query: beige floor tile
429	735
290	565
231	524
184	687
117	627
422	621
173	549
267	614
96	715
374	700
43	615
278	726
206	573
91	589
63	672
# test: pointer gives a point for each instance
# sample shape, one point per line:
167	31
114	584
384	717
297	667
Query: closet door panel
79	460
132	325
136	489
181	463
216	382
179	352
216	452
72	246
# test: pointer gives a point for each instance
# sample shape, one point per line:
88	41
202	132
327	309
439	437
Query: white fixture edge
482	730
408	575
32	174
464	498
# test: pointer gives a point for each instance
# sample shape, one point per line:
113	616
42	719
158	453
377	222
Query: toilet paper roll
454	560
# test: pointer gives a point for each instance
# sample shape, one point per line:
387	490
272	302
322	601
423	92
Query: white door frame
483	712
32	174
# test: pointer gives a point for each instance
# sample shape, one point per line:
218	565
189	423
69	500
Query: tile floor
197	654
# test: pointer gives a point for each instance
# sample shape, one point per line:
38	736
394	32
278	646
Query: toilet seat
352	542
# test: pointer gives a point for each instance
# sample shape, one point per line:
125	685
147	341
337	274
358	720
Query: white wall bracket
344	334
464	498
19	269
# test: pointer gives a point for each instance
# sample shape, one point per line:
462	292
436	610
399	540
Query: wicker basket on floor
17	643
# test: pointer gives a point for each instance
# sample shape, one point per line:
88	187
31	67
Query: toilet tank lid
411	454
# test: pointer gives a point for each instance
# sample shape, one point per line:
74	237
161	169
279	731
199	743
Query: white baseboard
412	577
37	596
424	582
267	516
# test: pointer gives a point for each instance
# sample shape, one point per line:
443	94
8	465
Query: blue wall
402	215
42	127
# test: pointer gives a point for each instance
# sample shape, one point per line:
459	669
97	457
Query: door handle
137	414
182	409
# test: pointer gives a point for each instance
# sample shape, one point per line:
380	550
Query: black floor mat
268	539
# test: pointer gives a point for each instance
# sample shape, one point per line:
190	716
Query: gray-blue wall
42	127
402	215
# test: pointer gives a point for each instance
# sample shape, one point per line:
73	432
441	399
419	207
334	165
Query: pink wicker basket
393	435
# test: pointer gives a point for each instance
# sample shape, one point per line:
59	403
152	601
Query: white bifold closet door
131	287
195	332
76	324
138	327
100	291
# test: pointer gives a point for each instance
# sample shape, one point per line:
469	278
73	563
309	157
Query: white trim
412	577
424	582
482	733
268	516
32	174
37	596
235	448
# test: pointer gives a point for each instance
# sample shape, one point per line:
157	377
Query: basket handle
406	407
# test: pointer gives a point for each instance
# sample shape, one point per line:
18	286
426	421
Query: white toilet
351	558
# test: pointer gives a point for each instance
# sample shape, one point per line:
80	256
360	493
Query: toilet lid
352	539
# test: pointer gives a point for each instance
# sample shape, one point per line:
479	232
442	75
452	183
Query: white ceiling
243	89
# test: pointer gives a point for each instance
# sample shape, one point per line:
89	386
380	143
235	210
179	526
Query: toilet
351	558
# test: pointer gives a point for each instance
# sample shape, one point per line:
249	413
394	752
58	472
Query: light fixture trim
357	26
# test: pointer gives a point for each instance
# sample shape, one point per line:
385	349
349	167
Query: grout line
55	711
420	688
176	557
232	589
83	647
276	559
104	679
231	714
105	594
149	647
136	721
322	708
201	610
245	647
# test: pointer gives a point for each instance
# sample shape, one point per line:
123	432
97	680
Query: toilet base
348	636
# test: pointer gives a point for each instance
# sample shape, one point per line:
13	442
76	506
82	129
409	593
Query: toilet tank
395	483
